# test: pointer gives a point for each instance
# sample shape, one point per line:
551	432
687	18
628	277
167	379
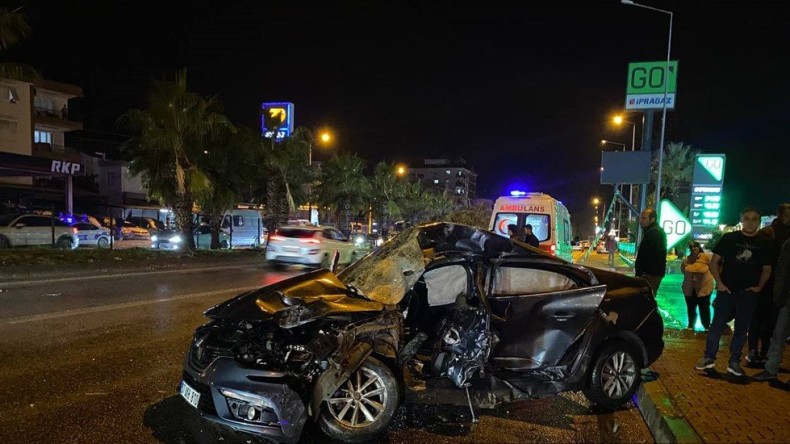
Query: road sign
706	194
279	117
647	82
674	223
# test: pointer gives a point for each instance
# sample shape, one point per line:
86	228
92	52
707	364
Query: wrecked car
443	314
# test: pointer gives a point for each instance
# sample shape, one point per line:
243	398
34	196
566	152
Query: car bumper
283	420
284	257
166	246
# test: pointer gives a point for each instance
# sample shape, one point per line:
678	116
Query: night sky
523	90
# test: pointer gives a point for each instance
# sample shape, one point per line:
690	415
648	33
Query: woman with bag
697	285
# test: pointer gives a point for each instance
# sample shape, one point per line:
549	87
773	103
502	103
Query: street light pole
666	90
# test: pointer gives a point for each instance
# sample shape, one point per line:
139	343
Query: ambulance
550	220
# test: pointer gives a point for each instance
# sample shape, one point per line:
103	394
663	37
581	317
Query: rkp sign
63	167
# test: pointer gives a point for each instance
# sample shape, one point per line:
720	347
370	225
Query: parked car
130	231
92	235
443	313
173	240
149	223
309	245
36	230
601	248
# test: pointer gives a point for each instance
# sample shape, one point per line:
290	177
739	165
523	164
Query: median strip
103	308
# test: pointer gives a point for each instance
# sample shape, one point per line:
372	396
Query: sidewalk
716	406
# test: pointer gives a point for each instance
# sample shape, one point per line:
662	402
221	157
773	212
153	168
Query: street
99	360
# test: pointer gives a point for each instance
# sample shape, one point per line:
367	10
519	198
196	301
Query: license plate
191	395
291	249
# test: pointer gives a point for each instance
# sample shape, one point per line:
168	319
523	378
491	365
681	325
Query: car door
16	235
545	311
38	230
203	237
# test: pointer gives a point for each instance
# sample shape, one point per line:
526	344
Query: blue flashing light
518	193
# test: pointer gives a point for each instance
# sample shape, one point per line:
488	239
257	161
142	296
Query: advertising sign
277	119
647	82
706	195
674	223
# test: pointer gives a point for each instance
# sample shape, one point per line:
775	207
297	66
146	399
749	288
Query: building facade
453	178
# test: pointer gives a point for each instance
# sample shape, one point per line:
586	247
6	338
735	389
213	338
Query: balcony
58	118
52	151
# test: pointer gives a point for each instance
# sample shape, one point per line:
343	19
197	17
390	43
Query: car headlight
154	238
379	242
175	239
359	241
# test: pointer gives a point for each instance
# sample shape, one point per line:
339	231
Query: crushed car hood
319	290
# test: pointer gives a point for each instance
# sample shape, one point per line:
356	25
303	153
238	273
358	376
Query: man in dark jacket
651	258
764	319
781	297
529	237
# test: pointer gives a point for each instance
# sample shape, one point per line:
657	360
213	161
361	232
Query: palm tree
343	187
385	189
678	168
13	29
172	132
414	202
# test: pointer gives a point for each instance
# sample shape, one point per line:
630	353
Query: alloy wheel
361	401
619	374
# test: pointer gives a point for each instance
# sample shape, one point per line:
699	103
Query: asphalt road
99	360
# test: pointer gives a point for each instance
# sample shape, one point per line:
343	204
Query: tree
677	170
13	29
343	187
385	190
285	165
173	131
474	215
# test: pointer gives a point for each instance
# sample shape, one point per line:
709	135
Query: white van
245	228
550	220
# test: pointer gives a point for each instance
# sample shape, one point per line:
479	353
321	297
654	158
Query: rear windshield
300	233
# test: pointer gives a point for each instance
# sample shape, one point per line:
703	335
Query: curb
666	423
109	271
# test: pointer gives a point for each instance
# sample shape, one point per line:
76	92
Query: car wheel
224	244
4	242
364	406
615	375
65	243
103	242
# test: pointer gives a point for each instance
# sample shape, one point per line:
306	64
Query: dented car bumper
252	401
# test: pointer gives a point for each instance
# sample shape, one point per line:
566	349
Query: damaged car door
545	311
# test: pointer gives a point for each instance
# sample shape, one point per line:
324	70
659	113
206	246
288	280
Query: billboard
277	119
706	195
647	82
625	167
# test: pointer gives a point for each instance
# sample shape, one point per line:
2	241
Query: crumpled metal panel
467	342
387	274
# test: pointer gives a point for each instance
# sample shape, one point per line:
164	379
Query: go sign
674	223
649	77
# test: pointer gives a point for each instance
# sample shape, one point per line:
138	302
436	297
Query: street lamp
666	90
400	170
609	142
326	137
619	120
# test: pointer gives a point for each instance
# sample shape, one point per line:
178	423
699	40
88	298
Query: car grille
201	357
206	402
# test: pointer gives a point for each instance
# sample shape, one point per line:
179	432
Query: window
567	231
448	171
44	103
436	181
238	221
541	225
36	221
518	281
503	220
204	229
42	136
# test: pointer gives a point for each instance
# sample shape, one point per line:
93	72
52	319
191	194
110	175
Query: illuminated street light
400	170
618	119
596	201
326	137
605	142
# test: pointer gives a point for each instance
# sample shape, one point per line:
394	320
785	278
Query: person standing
611	248
741	266
651	258
764	319
781	296
697	285
529	237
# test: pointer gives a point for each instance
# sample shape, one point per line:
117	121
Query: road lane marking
15	284
120	306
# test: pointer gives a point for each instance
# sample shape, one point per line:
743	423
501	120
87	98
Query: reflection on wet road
100	360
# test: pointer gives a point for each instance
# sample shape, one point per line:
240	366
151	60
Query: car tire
223	245
103	242
615	375
65	243
349	421
4	243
